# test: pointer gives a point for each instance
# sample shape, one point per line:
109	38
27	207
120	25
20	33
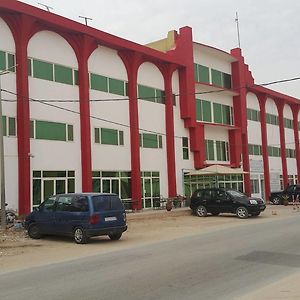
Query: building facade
84	110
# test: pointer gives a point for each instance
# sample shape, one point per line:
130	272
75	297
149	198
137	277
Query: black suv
217	200
292	192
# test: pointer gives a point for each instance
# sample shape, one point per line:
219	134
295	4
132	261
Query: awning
217	170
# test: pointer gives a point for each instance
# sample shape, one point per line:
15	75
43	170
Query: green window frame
76	77
4	125
70	132
45	130
63	74
42	70
11	62
210	152
160	96
109	136
146	93
11	126
226	80
216	77
185	148
196	76
97	135
203	74
2	60
116	86
99	82
217	112
149	140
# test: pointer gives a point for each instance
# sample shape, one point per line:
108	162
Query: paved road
219	264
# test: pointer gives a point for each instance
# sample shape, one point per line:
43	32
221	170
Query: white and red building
84	110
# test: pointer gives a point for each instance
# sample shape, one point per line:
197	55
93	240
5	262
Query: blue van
79	215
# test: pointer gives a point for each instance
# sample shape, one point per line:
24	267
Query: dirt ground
18	251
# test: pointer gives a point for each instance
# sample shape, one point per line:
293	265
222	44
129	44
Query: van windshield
107	202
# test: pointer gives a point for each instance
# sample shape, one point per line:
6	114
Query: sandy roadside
143	229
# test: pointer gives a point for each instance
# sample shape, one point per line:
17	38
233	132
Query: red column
132	62
22	28
295	109
280	105
83	47
167	72
235	145
240	79
264	138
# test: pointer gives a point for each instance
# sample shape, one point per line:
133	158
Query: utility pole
2	170
86	19
238	28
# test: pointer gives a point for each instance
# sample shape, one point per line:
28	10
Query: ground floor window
194	182
47	183
119	182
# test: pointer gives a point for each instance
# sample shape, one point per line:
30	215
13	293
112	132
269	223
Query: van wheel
115	236
201	211
34	231
242	212
80	236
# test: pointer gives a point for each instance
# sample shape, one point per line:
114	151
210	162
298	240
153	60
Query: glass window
109	136
70	133
42	70
206	107
203	74
217	113
4	125
11	62
76	77
216	77
50	131
146	93
160	96
226	80
99	83
149	140
198	110
2	60
196	73
97	135
226	114
210	155
116	87
11	126
48	205
63	74
185	148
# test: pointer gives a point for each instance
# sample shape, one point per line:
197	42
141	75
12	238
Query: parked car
79	215
218	200
287	195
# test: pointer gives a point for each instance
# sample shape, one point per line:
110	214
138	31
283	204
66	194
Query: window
107	136
42	70
146	93
226	80
271	119
63	74
217	113
185	148
149	140
222	151
203	74
216	77
223	114
288	123
8	126
99	83
253	115
2	60
254	186
116	86
46	130
203	110
11	62
210	152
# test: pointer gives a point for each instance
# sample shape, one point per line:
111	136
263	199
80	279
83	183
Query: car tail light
94	219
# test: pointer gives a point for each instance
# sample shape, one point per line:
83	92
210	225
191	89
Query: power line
163	97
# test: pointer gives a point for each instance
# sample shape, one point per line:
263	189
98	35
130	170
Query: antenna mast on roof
45	6
238	28
86	19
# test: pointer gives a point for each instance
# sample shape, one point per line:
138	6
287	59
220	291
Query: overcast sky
269	29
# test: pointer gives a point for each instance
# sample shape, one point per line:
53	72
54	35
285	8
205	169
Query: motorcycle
11	215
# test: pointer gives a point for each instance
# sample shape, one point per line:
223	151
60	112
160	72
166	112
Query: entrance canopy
217	170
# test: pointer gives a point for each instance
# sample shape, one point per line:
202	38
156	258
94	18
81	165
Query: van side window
48	205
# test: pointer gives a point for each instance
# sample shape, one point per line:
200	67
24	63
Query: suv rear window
106	202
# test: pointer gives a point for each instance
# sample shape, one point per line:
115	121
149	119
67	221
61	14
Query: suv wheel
80	236
34	231
115	236
242	212
201	211
276	201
